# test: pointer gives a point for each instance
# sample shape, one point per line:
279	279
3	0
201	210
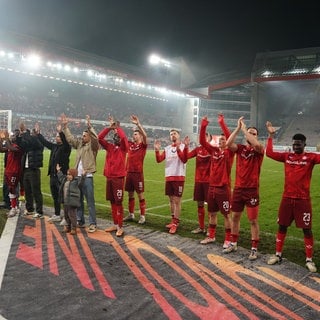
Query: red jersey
248	167
221	160
297	170
13	164
136	155
203	163
115	163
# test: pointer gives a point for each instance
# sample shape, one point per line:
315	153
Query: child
69	192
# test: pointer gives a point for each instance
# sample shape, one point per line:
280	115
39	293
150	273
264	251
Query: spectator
70	195
87	149
32	162
60	152
13	171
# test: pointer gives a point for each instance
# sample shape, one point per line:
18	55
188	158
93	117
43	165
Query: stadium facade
283	87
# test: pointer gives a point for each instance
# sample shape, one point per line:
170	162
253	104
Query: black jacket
33	149
59	154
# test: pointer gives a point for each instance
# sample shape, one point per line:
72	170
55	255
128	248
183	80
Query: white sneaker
12	212
274	259
27	213
253	255
129	217
226	244
54	218
63	222
142	220
233	247
208	240
37	216
311	266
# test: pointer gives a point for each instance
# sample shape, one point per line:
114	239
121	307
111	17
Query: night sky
211	36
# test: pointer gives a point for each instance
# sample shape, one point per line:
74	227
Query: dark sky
215	35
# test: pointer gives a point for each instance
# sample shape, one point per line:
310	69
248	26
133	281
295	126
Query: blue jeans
87	191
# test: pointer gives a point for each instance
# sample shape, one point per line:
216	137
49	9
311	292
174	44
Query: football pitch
158	213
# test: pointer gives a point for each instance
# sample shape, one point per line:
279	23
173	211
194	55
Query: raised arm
135	120
231	140
223	126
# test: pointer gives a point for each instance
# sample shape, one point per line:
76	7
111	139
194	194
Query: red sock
254	243
201	214
114	213
120	215
227	235
280	241
142	204
308	245
234	237
13	202
212	230
131	205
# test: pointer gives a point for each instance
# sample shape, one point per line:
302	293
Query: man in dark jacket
31	164
60	153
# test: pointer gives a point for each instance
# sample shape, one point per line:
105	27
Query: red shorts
299	210
12	181
200	191
174	188
114	190
134	182
219	199
242	197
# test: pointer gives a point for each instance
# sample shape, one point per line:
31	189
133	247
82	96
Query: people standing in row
219	194
13	170
175	156
296	202
59	154
70	196
87	149
135	178
32	161
115	171
246	188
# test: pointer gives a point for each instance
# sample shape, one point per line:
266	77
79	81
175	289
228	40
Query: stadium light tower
174	72
155	59
164	70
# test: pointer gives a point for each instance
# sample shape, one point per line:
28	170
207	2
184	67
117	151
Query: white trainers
198	231
129	217
63	222
28	213
208	240
253	255
275	258
142	219
37	216
233	247
310	265
226	244
54	218
12	212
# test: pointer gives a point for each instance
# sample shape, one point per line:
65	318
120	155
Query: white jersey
174	166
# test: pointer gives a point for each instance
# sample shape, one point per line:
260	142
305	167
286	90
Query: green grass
158	214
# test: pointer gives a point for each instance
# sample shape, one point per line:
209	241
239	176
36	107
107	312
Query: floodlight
33	60
154	59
